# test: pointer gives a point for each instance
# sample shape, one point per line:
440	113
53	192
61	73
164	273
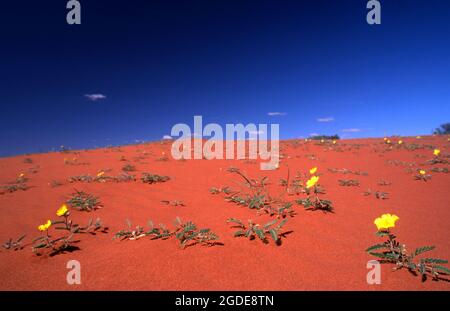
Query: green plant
188	234
252	230
422	175
81	178
130	233
13	188
83	201
14	244
28	160
173	203
440	170
348	182
153	178
129	168
92	226
226	190
378	194
55	246
392	251
312	201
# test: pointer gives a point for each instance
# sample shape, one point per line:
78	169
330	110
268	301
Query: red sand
324	252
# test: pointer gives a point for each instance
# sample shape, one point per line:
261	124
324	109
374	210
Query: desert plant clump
153	178
254	195
173	203
124	177
27	161
378	194
186	233
313	189
384	183
81	178
67	224
14	244
101	177
440	170
83	201
347	171
252	230
55	245
129	168
391	251
226	190
348	182
437	158
422	175
13	188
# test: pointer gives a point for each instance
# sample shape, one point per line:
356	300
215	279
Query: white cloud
95	97
275	114
352	130
167	137
325	119
313	134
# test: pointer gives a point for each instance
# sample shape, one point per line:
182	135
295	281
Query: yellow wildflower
400	142
388	141
100	174
386	221
422	172
322	141
334	142
313	170
21	175
45	226
62	210
312	182
385	139
436	152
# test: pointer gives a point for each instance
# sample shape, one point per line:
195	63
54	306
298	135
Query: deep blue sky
162	62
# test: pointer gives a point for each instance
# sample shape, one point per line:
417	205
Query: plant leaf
423	249
375	247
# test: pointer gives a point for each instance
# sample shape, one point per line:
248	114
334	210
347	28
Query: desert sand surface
323	251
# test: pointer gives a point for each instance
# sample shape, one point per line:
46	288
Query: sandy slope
324	251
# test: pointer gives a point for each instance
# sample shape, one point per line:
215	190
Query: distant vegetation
330	137
444	129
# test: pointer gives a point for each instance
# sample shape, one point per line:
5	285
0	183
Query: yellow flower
322	141
422	172
385	139
313	170
386	221
62	210
100	174
45	226
400	142
418	137
21	175
312	182
436	152
334	142
388	141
